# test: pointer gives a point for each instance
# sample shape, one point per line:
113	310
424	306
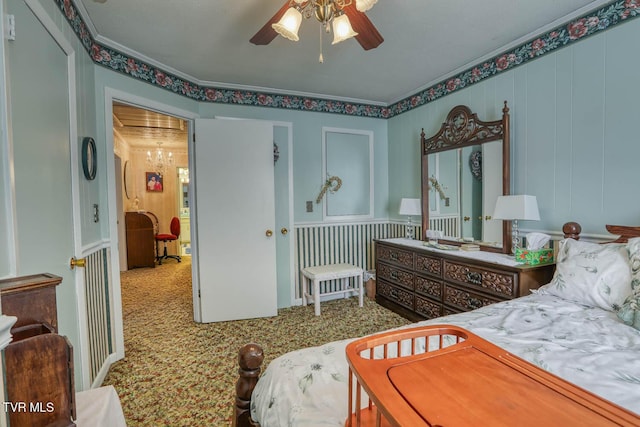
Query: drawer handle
394	275
393	256
474	277
393	293
474	303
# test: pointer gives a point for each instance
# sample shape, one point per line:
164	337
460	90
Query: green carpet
180	373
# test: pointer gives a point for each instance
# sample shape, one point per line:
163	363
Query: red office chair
175	233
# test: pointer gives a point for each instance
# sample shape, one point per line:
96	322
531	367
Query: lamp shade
410	207
289	24
342	29
517	207
364	5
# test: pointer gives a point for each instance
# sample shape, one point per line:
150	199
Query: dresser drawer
394	255
394	274
394	293
428	287
428	308
465	300
429	264
498	282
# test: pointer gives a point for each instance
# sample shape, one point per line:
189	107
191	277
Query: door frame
112	95
292	267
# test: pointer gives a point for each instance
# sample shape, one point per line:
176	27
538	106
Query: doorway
151	164
284	207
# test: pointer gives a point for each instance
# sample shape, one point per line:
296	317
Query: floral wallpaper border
604	18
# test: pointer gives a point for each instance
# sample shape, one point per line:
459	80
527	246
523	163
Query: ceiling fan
347	17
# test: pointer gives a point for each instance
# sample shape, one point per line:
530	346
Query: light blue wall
307	137
574	131
307	151
90	191
347	157
106	79
307	148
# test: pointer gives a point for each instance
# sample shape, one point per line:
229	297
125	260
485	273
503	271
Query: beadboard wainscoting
319	244
448	224
98	311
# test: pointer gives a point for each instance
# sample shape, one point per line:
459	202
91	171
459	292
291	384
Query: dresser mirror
465	167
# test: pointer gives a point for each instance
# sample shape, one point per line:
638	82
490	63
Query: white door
235	212
491	189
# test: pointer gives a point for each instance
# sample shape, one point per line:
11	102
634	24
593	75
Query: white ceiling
207	42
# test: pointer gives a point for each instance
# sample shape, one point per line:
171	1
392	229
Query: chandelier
158	161
330	13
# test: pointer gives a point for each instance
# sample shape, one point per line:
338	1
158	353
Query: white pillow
592	274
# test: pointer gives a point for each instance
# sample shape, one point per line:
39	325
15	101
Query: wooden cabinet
421	283
32	299
38	362
140	240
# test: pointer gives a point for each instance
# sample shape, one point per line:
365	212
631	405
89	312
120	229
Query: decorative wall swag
332	184
435	185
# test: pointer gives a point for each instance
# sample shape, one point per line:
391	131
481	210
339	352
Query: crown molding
600	15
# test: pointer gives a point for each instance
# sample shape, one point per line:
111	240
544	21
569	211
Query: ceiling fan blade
266	34
368	35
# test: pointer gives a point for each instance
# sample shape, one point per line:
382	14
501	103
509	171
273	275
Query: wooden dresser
421	283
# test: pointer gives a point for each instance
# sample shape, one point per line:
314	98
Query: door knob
73	262
467	218
284	231
269	233
488	217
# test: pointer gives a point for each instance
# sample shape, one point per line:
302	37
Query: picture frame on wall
154	182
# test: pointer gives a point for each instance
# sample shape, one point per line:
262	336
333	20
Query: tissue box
534	257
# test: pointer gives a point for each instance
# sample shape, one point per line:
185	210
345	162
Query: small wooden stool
324	273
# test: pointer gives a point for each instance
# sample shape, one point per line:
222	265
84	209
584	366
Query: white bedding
588	346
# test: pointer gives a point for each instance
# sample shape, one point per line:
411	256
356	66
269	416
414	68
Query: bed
583	327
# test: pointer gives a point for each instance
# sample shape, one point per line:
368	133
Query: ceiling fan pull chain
321	58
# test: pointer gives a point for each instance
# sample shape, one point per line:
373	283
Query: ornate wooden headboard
624	232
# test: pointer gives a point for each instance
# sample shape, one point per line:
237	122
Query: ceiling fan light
364	5
342	29
289	24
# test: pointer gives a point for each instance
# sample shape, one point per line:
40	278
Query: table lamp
410	207
513	208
